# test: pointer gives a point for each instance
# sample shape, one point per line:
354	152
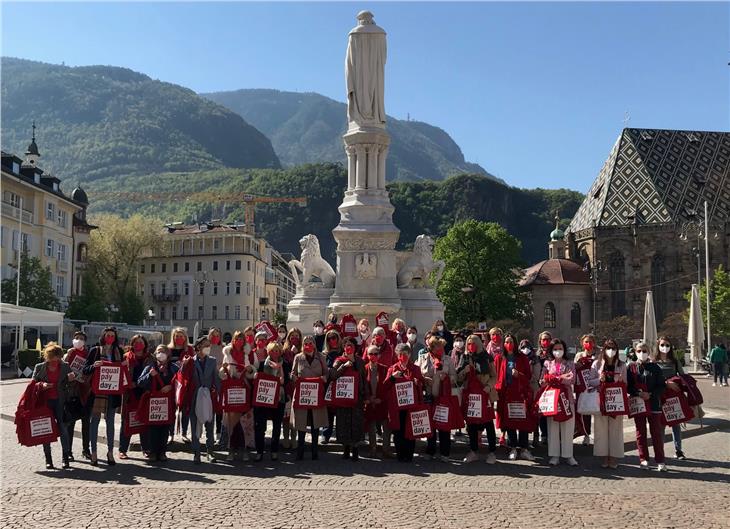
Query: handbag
110	378
447	414
476	406
589	403
132	423
234	397
266	389
156	408
203	406
345	392
614	399
675	408
309	393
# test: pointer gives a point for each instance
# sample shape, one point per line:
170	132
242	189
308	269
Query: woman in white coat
608	440
560	434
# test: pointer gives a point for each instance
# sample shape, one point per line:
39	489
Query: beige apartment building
51	225
216	275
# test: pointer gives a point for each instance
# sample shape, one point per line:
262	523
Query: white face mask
161	357
412	337
610	353
79	344
642	356
664	349
206	351
558	353
318	330
525	350
459	345
282	336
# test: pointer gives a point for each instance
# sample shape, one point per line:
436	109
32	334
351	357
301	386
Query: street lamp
111	309
593	272
201	278
151	315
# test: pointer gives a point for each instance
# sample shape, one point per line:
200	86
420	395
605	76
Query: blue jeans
677	437
55	406
94	428
719	371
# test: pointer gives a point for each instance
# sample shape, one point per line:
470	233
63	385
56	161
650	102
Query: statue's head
309	242
365	17
423	245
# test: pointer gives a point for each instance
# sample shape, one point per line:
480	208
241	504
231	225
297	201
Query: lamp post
593	272
201	278
469	291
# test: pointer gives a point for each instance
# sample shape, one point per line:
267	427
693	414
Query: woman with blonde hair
54	375
398	331
292	347
332	350
309	364
272	365
182	354
235	364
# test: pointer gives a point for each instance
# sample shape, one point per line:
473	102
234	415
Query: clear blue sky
535	93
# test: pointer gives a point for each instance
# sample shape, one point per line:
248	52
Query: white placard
308	394
614	400
236	395
41	426
159	409
420	425
345	388
405	394
266	392
516	410
109	378
474	406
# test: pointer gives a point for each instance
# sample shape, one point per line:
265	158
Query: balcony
13	212
166	298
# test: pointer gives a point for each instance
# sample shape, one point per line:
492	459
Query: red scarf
237	356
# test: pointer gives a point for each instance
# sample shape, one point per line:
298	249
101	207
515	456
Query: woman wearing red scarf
182	354
332	351
309	364
583	361
558	369
376	408
350	421
379	339
81	387
235	362
437	368
138	357
166	370
404	368
513	384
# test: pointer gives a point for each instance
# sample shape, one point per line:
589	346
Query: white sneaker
714	384
513	454
471	457
644	465
491	458
586	440
526	455
572	462
662	467
554	461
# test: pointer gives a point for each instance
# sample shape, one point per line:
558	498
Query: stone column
351	167
361	169
372	166
381	166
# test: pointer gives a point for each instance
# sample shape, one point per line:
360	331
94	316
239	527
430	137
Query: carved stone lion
420	265
311	265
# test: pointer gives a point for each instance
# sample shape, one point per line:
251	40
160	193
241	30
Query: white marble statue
311	265
420	265
364	71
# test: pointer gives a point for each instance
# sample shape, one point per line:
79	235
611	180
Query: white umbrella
196	330
696	329
650	334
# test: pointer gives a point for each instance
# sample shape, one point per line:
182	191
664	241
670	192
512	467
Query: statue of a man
364	71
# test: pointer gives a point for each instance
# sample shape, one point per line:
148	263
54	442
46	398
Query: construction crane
249	201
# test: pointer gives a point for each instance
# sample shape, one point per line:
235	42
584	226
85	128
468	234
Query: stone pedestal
420	307
308	305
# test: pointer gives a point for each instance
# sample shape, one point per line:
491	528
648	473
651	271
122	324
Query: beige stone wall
562	297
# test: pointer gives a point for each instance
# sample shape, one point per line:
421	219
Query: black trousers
85	420
444	439
157	439
404	448
260	416
516	441
475	429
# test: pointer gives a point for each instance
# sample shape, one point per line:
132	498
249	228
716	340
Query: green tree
719	304
483	267
35	285
90	305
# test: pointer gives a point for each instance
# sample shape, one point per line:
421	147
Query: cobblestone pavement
373	493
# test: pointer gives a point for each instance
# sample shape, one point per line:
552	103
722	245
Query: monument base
307	306
420	307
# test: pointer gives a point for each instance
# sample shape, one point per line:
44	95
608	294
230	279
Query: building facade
51	225
641	225
215	275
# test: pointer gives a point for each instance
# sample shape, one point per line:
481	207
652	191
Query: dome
79	195
555	272
557	234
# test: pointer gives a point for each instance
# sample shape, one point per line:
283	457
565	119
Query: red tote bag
235	395
266	391
404	394
675	408
155	407
36	427
614	399
638	407
110	378
476	406
565	412
132	423
515	410
418	422
309	393
547	400
446	414
346	388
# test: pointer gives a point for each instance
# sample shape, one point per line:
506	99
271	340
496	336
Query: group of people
502	375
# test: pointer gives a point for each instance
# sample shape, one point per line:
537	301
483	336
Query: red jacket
412	372
387	356
377	412
521	381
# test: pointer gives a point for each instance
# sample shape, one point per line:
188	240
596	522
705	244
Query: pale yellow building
213	274
51	225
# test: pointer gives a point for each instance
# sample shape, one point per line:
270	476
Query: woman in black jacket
647	382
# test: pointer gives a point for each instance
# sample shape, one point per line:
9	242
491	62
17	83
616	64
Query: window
617	284
50	211
549	315
248	265
61	252
201	245
214	312
248	288
228	265
200	266
227	312
575	316
2	236
228	288
50	246
152	268
163	288
215	265
238	287
186	288
163	267
248	312
174	267
141	269
237	312
200	312
185	312
174	312
152	289
174	287
162	313
238	264
182	247
187	267
201	289
62	218
216	244
60	286
215	288
12	199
